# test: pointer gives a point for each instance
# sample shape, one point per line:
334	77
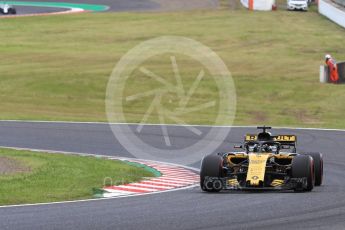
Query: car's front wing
228	183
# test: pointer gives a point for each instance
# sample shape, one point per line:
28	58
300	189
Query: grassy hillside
57	68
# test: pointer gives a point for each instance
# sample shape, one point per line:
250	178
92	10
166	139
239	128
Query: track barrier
333	11
324	73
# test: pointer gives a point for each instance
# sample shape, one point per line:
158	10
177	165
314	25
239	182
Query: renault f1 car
7	9
265	162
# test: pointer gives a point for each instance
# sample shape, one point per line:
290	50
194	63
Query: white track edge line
153	124
98	199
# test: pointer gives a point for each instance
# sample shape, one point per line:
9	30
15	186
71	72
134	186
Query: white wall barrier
258	4
336	14
323	74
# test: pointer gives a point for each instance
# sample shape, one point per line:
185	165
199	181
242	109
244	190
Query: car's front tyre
211	166
303	167
318	166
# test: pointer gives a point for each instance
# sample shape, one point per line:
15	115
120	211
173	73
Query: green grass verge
57	177
58	68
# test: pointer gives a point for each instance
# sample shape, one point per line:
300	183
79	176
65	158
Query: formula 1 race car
262	165
7	9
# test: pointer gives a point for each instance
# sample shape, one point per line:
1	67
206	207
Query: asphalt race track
115	5
323	208
36	10
125	5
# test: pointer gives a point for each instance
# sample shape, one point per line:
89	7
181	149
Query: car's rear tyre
211	166
318	167
303	167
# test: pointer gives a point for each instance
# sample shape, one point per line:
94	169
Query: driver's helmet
266	148
253	147
270	148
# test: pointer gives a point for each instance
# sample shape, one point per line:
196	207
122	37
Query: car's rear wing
287	140
279	138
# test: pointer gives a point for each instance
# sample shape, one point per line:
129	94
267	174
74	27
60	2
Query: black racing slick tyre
211	166
318	167
303	167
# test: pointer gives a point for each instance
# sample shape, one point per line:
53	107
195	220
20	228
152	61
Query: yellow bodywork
257	168
277	182
233	182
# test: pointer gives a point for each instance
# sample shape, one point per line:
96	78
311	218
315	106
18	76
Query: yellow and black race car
266	162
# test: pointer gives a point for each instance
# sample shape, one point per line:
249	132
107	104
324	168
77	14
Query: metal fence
340	2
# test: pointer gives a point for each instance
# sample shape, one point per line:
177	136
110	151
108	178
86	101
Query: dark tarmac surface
127	5
323	208
22	10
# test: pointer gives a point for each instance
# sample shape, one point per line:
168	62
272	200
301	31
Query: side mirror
238	146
